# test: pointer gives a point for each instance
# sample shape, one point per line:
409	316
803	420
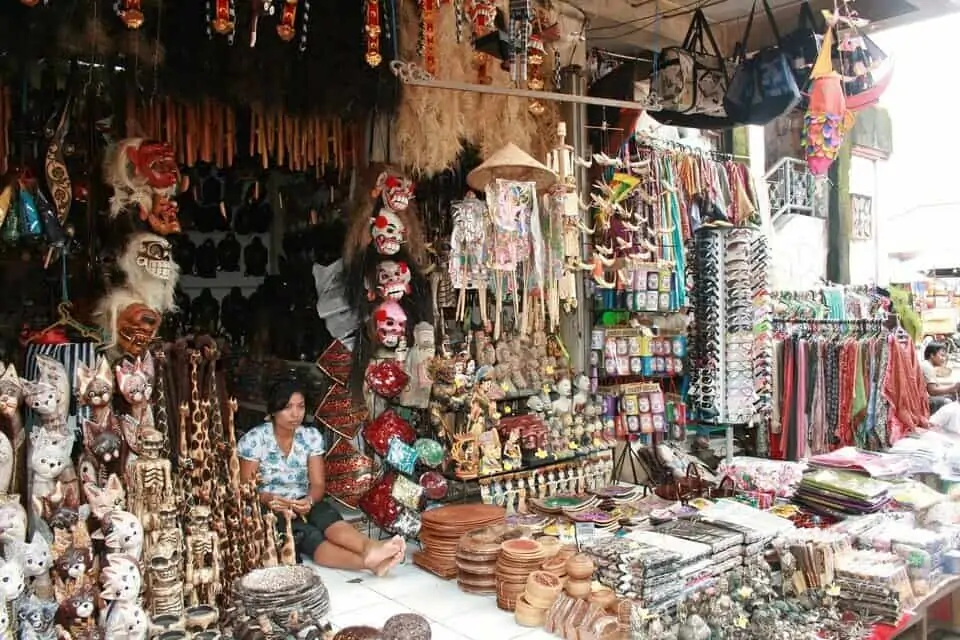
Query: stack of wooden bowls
477	557
442	529
580	568
541	591
518	559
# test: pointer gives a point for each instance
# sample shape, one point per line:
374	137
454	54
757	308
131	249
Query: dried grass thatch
433	124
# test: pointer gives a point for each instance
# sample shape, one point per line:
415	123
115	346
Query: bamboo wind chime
207	132
302	142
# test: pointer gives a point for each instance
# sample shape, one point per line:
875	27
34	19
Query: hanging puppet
383	263
131	312
145	180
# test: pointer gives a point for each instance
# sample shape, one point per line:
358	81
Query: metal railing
790	186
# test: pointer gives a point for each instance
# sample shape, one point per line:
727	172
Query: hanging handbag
802	45
763	87
692	78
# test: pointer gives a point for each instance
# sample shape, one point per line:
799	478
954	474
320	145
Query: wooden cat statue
51	463
37	562
12	584
102	501
95	389
49	395
36	617
124	620
76	614
135	383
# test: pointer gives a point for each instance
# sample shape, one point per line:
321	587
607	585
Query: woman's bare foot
388	565
379	553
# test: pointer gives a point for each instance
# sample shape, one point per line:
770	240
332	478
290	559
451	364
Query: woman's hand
302	506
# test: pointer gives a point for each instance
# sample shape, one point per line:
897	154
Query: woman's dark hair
933	349
279	395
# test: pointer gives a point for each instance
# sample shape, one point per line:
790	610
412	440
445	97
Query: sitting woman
286	460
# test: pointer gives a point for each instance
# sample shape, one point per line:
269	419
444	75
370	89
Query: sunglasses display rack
731	347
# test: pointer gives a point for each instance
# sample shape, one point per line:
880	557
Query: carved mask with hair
151	272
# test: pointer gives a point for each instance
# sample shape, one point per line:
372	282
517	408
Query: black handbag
802	45
763	87
689	81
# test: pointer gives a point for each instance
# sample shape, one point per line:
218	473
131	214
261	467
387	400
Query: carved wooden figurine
102	501
36	617
135	383
151	483
37	560
95	389
288	554
123	534
11	391
202	578
164	580
50	463
270	546
76	614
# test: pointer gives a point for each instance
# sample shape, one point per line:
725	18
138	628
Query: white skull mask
393	279
388	232
391	323
396	191
154	258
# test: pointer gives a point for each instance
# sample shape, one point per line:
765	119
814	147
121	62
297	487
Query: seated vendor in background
934	356
286	458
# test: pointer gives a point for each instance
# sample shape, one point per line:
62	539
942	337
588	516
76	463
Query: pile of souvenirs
149	527
770	559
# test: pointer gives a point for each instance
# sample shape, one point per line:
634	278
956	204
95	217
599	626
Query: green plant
909	318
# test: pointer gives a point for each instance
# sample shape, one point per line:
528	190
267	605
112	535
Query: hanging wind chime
536	54
483	22
287	28
130	13
520	32
221	19
372	30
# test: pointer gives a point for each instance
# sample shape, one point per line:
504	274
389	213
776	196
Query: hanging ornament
520	30
130	13
483	21
827	119
287	28
223	18
304	25
372	30
428	29
536	53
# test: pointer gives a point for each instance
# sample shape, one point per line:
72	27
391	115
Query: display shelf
225	280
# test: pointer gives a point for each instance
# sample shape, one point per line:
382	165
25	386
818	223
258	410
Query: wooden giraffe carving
288	554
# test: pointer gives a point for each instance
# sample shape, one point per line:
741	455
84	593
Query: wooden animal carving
135	381
78	606
120	579
11	390
103	501
95	389
50	462
36	619
124	620
49	395
37	561
103	451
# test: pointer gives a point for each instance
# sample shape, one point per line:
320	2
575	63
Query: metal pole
575	327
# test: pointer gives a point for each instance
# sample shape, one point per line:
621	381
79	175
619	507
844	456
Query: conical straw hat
511	163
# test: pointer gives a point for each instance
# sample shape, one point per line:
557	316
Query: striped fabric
69	355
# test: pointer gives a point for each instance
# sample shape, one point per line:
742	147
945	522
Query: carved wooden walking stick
161	421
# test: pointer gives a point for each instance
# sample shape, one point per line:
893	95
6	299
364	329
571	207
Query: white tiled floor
360	598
